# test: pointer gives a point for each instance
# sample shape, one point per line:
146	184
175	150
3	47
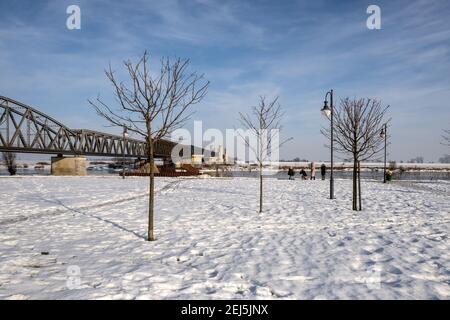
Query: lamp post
328	112
125	135
383	134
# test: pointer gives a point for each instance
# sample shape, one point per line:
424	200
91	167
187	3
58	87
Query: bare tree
418	159
357	125
446	138
445	159
264	124
152	106
9	160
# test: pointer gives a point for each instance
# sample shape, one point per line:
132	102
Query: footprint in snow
212	273
394	270
340	244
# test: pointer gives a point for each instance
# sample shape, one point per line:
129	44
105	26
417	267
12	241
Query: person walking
303	174
291	173
323	170
389	175
313	171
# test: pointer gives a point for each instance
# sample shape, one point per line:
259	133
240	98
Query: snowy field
212	243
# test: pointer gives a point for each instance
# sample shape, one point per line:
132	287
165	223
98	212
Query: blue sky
295	49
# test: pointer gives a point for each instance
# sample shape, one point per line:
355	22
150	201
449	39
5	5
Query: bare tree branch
357	128
446	138
152	106
264	123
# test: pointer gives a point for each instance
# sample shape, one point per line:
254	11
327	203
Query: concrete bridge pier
68	166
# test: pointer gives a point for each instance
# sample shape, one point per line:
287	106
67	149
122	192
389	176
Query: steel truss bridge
27	130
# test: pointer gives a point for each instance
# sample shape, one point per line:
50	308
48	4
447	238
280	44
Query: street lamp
383	135
125	135
328	112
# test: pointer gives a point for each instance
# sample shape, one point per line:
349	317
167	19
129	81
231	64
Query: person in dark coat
303	174
291	173
323	170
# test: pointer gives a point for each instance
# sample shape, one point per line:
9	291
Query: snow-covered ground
212	243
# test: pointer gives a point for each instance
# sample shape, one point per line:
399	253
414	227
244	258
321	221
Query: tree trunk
359	185
355	193
260	188
10	162
151	199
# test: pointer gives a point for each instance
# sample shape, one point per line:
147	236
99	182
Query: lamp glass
326	111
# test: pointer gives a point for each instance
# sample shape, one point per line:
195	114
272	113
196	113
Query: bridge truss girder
27	130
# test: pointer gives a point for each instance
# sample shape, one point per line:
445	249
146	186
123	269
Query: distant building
197	159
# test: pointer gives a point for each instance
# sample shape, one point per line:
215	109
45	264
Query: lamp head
326	110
